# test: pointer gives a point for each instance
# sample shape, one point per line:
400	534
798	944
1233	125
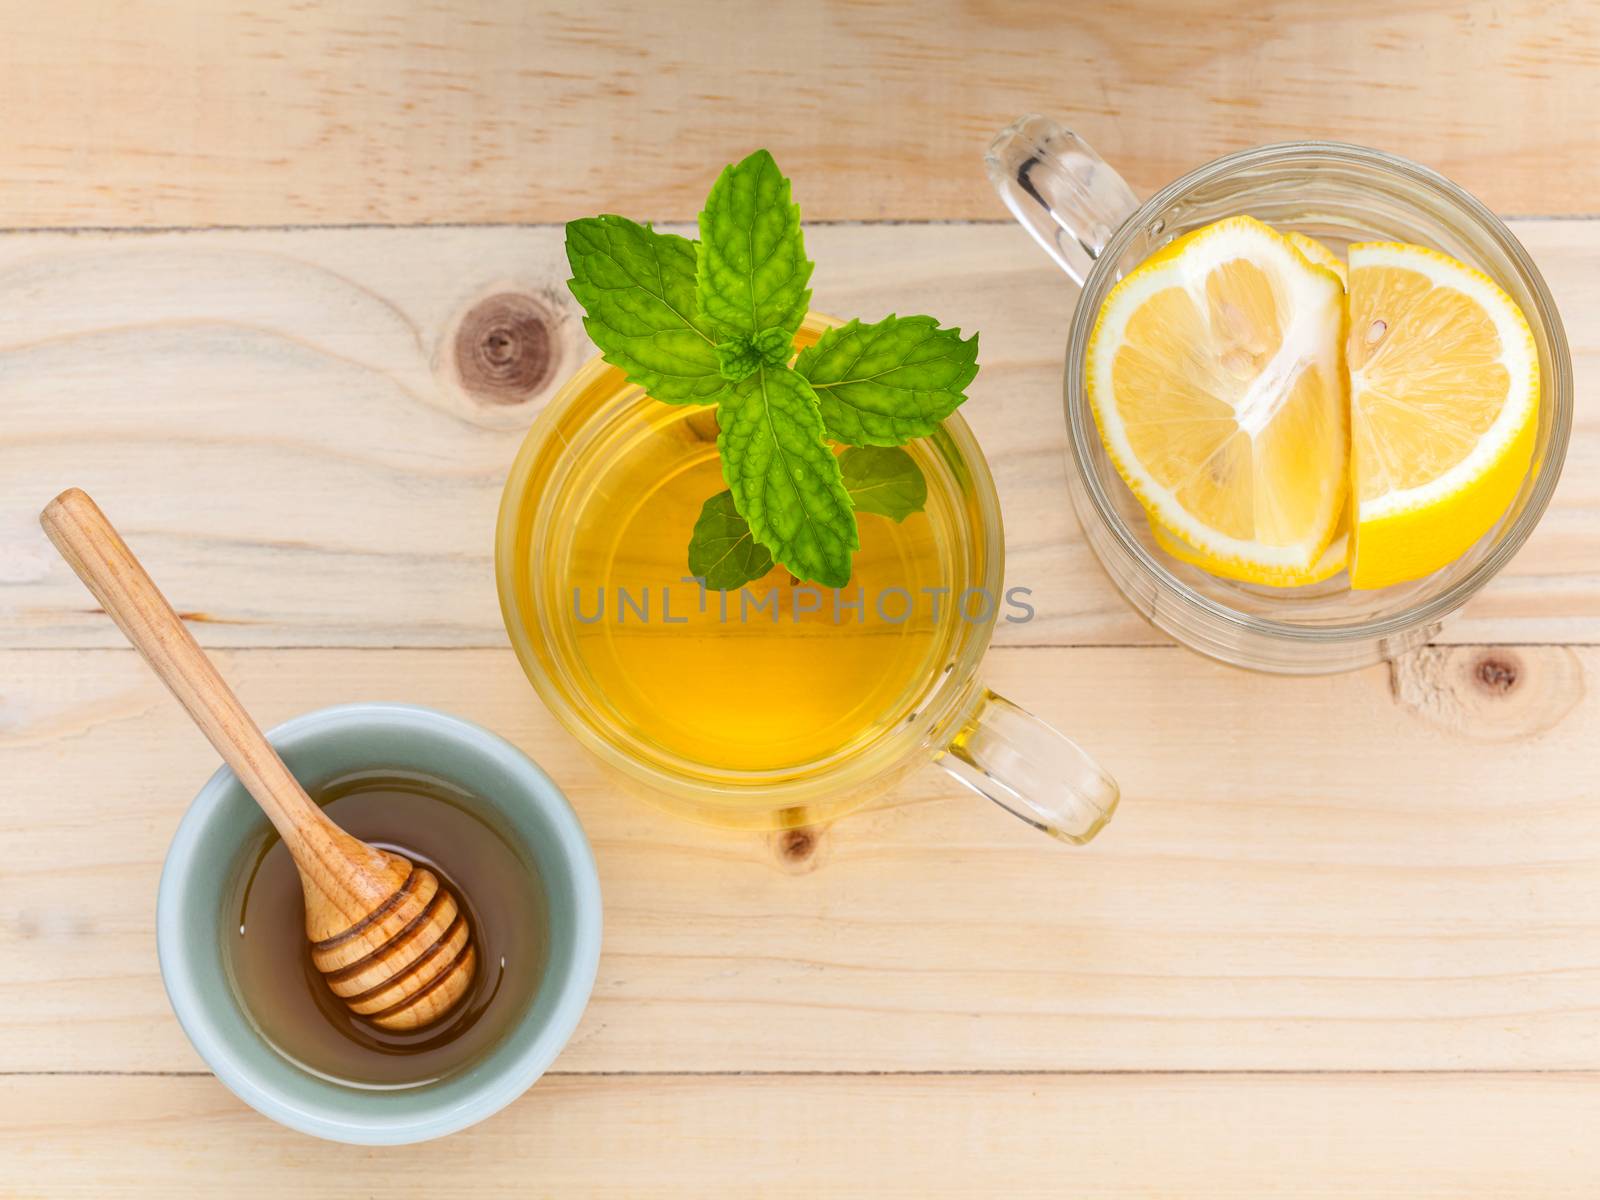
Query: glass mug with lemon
751	557
1316	395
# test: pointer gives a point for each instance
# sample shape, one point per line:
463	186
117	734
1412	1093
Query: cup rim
1426	612
785	788
507	1071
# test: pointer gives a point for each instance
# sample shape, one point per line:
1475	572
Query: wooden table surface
1343	938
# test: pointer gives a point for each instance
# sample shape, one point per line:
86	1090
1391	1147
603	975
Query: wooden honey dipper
388	937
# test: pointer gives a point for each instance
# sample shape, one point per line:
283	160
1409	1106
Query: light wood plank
1222	1137
188	112
278	422
1358	872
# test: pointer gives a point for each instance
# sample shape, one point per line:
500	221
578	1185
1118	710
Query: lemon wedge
1317	253
1337	556
1216	378
1444	406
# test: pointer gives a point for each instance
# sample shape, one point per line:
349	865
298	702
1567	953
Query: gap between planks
688	219
1005	648
1576	1073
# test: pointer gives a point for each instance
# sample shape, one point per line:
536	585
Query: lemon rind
1317	254
1333	559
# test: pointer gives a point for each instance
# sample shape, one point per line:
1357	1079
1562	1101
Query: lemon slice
1216	378
1317	253
1334	559
1444	399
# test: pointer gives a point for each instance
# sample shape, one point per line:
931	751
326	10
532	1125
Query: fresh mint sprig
880	479
714	321
883	480
641	306
884	384
784	478
751	259
723	552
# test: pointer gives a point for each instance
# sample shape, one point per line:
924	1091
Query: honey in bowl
435	825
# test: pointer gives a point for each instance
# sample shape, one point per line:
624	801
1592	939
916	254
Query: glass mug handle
1060	191
1032	770
1065	195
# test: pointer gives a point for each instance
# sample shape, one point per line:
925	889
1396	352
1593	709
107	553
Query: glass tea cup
1091	223
667	684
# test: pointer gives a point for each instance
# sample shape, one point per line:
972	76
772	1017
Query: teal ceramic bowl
320	747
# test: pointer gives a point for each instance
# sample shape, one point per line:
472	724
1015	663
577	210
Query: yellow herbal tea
777	705
772	677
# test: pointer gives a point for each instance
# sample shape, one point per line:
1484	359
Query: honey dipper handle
94	549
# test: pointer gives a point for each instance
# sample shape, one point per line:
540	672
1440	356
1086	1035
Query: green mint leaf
775	346
722	551
883	384
739	356
785	479
638	288
883	480
752	263
737	359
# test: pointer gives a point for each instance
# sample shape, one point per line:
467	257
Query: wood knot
1497	674
506	348
797	845
1489	693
